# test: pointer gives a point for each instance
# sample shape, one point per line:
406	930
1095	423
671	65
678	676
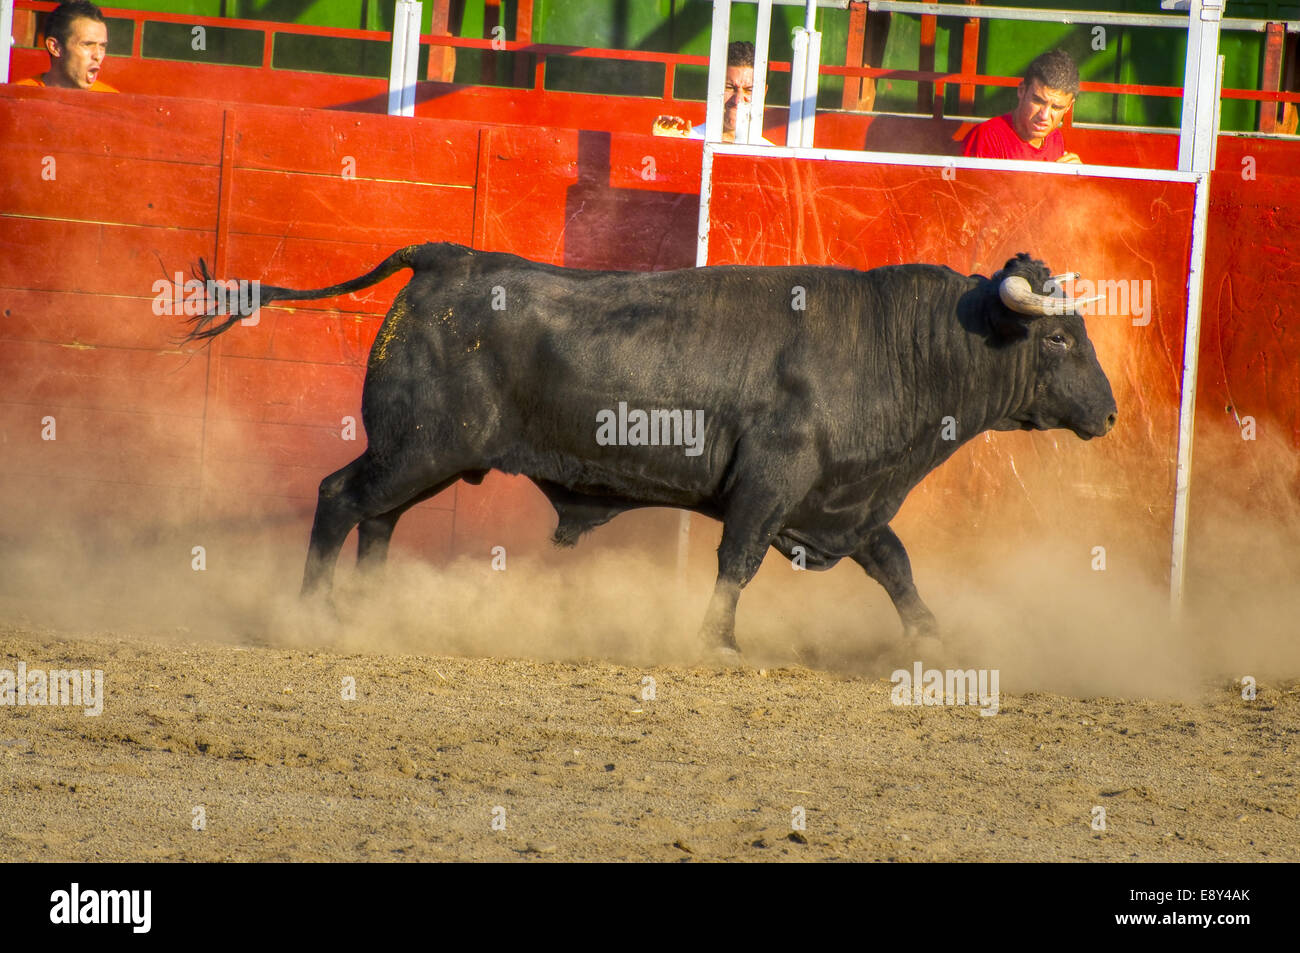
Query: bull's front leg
885	560
750	524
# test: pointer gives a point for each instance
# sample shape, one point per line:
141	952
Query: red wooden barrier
143	186
1117	492
1016	485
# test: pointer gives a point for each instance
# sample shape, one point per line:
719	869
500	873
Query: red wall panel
132	380
70	318
260	190
782	211
1247	447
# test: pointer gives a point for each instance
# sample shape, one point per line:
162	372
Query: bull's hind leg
361	492
374	534
885	560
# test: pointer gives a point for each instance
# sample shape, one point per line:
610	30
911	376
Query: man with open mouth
76	38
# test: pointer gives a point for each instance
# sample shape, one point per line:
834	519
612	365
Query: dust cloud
1045	616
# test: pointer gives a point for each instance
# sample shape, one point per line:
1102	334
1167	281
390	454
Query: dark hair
740	53
1055	70
59	23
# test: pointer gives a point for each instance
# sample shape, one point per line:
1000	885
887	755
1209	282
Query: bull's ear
1006	325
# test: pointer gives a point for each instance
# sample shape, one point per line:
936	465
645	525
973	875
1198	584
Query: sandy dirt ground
507	716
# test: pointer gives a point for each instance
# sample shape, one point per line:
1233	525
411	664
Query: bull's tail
204	326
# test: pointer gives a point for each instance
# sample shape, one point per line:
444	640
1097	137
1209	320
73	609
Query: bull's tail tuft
212	323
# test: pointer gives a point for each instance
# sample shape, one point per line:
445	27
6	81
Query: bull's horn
1022	299
1068	276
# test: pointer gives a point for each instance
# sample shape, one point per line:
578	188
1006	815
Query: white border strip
950	162
1068	17
405	58
1187	395
753	124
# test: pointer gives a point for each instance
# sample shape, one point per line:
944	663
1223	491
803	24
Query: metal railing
671	61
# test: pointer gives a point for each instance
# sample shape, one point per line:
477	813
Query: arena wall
100	199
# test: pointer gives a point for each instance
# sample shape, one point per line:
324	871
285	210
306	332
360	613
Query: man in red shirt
76	37
1032	131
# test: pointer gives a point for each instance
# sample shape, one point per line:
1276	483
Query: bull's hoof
320	605
722	656
925	648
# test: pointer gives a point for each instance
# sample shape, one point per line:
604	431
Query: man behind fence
76	37
1032	131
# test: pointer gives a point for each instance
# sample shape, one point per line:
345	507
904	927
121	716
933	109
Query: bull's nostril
1110	421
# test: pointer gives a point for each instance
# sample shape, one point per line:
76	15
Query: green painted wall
1152	56
1110	54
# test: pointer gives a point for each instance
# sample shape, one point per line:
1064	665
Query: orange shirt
98	87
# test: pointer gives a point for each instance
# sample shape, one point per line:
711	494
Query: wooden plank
128	380
442	59
83	505
486	140
125	127
426	531
226	178
925	92
309	263
287	488
1274	43
94	258
315	336
51	182
552	196
262	490
94	444
434	151
283	444
282	509
97	320
318	395
212	85
327	208
970	50
853	56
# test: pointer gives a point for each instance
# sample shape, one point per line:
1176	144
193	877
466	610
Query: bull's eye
1058	339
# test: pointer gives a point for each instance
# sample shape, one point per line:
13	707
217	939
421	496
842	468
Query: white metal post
406	58
799	58
712	120
1187	397
1192	343
6	36
804	76
717	70
1200	100
811	78
754	114
1197	144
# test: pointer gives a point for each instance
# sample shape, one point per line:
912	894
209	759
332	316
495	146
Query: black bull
798	405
